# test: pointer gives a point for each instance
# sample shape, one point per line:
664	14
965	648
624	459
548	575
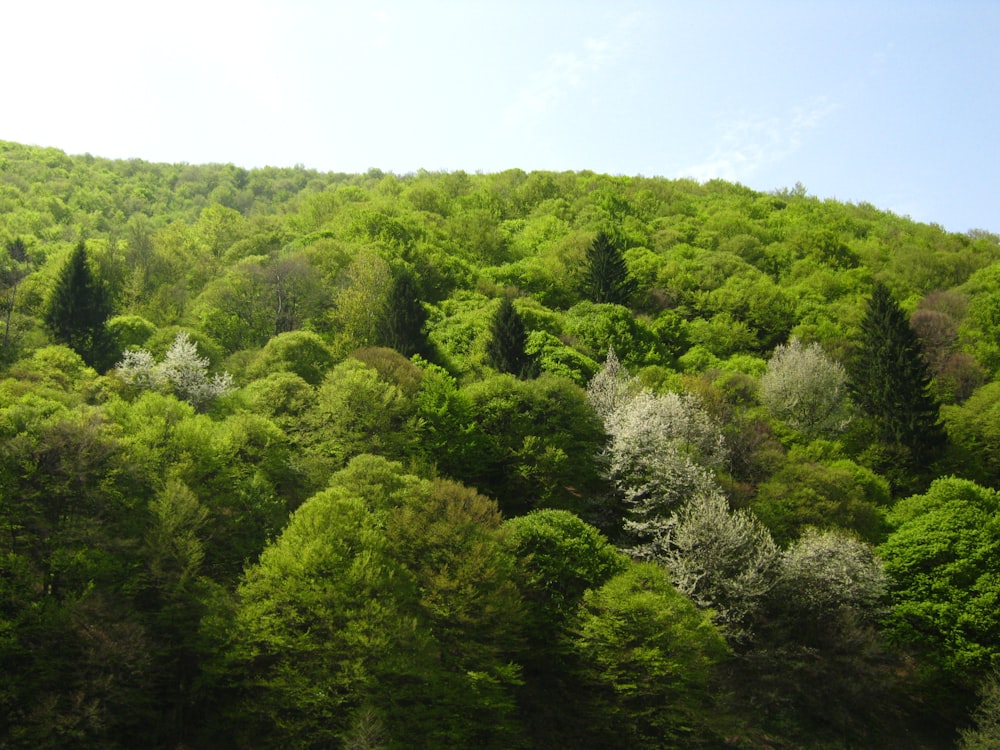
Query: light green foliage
596	328
385	593
285	399
260	297
448	431
943	558
556	358
359	302
722	335
974	427
142	513
810	490
752	298
647	654
561	557
301	352
358	412
176	551
126	331
806	389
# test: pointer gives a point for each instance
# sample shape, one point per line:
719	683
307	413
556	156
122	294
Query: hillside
301	459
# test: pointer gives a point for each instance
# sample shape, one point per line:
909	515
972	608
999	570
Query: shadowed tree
405	316
508	338
78	309
606	277
12	273
890	382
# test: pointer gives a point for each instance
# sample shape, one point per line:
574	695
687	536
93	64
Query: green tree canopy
505	350
78	308
943	559
890	382
606	278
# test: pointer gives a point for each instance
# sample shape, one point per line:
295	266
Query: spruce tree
405	316
506	348
606	278
78	309
12	272
890	381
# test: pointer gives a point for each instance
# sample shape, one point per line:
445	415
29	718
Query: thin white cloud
565	72
751	143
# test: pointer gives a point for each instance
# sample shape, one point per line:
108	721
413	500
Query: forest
296	459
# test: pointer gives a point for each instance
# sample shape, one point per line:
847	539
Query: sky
896	103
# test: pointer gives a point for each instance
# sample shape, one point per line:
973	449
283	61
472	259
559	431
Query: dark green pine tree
890	382
405	316
605	276
78	309
506	348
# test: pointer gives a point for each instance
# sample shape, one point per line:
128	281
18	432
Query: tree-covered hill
301	459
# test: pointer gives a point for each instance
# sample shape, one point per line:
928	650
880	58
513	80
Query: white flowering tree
721	559
806	389
662	450
611	387
181	372
824	571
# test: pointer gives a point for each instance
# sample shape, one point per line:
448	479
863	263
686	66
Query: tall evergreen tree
78	309
405	316
890	381
12	272
506	348
606	277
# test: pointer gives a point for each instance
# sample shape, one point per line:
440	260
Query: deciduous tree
806	389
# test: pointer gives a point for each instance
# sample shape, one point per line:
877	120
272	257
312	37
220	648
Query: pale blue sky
893	103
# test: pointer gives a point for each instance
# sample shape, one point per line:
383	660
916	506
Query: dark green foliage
560	559
535	445
646	659
605	276
505	350
890	382
12	272
405	316
984	734
78	308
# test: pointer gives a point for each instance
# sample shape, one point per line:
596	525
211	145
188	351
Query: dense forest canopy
300	459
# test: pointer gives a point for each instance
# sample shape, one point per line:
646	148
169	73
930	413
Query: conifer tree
12	273
606	278
78	309
405	316
506	348
890	381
